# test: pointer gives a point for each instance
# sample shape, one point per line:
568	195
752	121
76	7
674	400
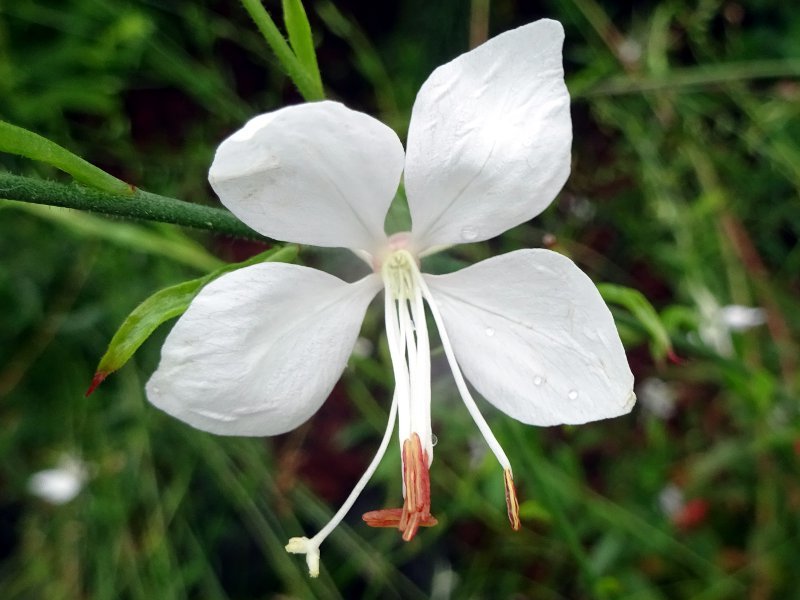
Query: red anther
96	380
416	511
390	517
386	517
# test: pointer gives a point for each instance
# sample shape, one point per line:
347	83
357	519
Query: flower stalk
140	205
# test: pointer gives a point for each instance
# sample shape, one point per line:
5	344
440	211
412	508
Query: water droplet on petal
572	395
434	439
489	332
469	234
538	380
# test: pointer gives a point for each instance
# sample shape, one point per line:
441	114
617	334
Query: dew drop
469	234
489	332
434	439
572	395
538	380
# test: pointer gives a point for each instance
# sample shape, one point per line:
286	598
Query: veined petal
316	173
534	337
490	136
259	350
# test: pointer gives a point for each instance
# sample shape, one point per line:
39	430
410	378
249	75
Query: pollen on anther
416	510
512	503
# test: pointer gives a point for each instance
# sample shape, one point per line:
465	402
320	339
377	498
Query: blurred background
685	185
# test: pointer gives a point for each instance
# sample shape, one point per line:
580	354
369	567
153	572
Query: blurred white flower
740	318
657	397
580	207
488	148
443	582
717	321
60	484
629	51
671	500
684	513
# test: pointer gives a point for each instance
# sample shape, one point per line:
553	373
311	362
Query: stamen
396	342
461	384
421	381
416	511
512	504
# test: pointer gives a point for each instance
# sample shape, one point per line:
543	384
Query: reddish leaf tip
96	380
674	358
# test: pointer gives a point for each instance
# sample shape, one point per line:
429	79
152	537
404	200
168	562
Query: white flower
488	148
717	322
61	484
658	397
671	500
741	318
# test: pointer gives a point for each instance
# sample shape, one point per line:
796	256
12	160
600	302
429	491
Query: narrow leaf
166	304
641	309
16	140
135	237
297	26
302	79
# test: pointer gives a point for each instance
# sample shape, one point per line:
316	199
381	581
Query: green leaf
297	26
135	237
641	309
166	304
308	87
16	140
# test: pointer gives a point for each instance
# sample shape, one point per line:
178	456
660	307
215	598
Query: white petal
316	173
489	139
259	350
535	338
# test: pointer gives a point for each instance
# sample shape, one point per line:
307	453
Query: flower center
397	271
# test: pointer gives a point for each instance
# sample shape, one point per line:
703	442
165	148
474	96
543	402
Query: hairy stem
140	205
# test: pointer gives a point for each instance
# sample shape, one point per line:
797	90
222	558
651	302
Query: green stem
141	205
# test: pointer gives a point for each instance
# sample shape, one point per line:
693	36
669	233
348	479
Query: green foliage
296	22
17	140
644	313
298	60
167	304
684	188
